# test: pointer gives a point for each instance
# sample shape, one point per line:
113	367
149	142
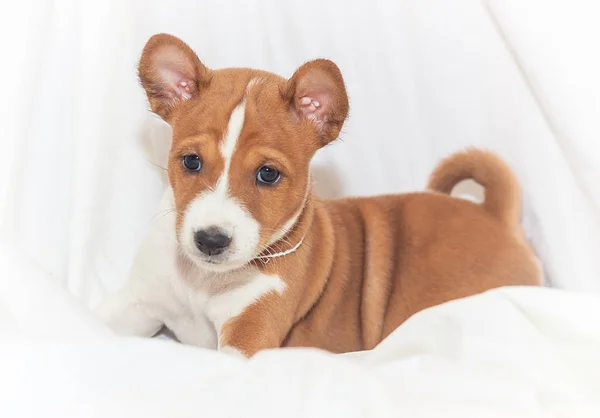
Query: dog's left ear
171	73
316	93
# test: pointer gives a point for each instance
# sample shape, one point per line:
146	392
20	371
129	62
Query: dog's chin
220	266
217	264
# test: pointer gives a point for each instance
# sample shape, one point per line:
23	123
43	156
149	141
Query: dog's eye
268	175
191	162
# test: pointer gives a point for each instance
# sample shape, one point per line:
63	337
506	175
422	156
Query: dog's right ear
170	72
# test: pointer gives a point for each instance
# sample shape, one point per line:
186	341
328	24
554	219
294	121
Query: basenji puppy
248	258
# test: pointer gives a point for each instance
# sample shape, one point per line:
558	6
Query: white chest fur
167	288
199	304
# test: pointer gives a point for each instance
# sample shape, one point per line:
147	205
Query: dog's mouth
218	263
229	260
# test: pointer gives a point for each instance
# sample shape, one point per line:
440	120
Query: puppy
248	258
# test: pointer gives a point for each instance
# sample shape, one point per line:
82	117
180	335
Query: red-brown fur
366	264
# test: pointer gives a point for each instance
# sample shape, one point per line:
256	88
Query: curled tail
502	190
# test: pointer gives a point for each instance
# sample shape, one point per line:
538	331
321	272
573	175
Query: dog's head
242	144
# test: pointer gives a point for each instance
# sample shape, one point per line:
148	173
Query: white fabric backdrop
425	77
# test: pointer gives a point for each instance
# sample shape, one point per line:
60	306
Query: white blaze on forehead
228	143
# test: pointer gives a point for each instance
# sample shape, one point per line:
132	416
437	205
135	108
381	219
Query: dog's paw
232	351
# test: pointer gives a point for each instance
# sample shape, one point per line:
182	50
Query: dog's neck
294	239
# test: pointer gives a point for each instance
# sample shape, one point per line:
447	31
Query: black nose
211	241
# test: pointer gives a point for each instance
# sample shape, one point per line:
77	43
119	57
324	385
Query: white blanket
509	352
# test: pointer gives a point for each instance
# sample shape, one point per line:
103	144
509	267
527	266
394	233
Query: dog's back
396	255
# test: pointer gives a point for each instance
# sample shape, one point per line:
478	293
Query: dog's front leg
127	315
261	325
134	309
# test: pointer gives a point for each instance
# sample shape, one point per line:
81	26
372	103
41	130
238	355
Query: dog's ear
316	92
170	72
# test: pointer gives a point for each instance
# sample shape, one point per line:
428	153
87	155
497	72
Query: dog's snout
211	241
